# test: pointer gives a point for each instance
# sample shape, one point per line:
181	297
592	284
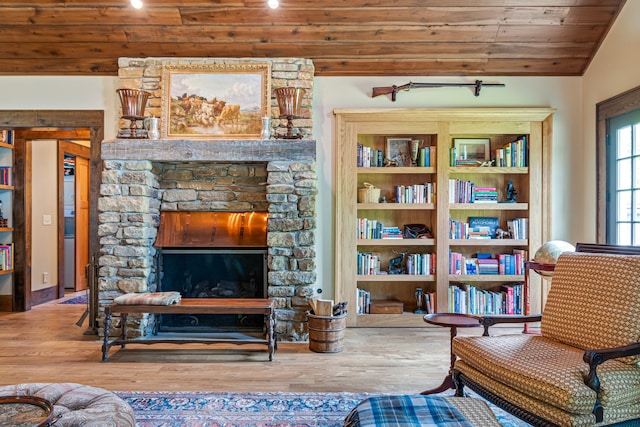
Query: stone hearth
141	178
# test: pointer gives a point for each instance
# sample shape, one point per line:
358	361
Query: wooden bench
263	306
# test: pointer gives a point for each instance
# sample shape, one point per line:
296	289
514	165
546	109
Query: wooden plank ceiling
342	37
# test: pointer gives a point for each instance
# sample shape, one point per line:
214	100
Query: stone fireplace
143	178
276	176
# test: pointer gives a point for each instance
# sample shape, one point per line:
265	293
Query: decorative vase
151	124
266	128
289	102
133	103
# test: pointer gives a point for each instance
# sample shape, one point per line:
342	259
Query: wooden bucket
326	333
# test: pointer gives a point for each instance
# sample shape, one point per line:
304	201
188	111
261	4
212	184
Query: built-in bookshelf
6	204
478	193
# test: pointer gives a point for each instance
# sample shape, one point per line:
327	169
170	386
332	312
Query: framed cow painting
215	101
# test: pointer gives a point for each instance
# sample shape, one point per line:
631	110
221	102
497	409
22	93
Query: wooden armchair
583	368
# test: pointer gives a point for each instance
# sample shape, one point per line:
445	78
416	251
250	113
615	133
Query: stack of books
488	266
391	233
485	195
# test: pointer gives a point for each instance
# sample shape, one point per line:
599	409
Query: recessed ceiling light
137	4
273	4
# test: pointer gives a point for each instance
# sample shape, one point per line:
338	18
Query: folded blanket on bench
149	298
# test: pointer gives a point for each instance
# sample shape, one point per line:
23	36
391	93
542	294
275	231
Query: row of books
6	256
416	193
467	299
421	264
461	191
368	264
513	154
488	264
368	157
518	228
374	229
430	304
363	302
427	156
6	136
6	175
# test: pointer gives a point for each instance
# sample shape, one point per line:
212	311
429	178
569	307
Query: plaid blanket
406	411
149	298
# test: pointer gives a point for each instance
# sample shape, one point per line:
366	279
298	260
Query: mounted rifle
393	90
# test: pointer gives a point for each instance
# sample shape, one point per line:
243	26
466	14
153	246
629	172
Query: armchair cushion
570	311
553	414
549	371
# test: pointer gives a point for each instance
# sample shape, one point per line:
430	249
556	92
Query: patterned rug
201	409
80	299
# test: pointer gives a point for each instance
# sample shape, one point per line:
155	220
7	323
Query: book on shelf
391	233
416	193
368	263
6	175
369	229
485	224
513	154
363	301
6	256
369	157
469	299
518	228
6	136
427	156
421	264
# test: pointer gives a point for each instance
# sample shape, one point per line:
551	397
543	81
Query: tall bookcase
6	207
487	129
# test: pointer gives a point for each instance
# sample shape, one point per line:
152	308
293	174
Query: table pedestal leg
447	383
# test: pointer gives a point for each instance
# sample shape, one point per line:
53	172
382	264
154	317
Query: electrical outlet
45	277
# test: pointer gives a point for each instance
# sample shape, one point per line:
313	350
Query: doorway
73	172
93	121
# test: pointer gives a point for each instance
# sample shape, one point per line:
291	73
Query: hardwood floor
45	345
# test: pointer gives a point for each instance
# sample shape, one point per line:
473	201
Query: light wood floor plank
45	345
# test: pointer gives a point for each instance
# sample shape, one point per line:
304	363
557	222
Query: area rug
80	299
201	409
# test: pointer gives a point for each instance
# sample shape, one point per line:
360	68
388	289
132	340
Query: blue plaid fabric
406	411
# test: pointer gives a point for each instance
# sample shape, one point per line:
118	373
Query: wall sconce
289	101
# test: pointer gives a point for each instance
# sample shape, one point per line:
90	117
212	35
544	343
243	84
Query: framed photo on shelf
472	151
398	151
223	101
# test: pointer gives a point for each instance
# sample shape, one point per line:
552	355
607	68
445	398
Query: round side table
453	321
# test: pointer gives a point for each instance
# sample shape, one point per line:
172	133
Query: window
618	169
623	179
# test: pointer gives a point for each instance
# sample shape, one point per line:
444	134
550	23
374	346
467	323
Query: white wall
44	240
614	70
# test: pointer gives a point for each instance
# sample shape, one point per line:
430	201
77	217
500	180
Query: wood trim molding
612	107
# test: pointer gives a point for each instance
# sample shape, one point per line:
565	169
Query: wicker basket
368	194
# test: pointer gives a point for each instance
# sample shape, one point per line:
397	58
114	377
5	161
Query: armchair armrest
596	357
488	321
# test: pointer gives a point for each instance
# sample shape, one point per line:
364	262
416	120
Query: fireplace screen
213	273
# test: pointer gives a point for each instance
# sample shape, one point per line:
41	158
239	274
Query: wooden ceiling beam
318	3
426	50
337	67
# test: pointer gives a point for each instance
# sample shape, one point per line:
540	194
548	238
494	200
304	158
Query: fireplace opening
213	273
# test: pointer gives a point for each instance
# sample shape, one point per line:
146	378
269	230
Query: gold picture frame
215	101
